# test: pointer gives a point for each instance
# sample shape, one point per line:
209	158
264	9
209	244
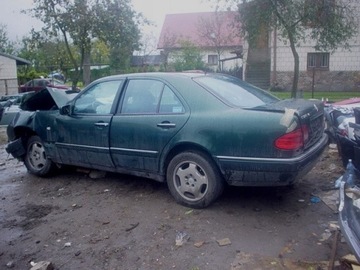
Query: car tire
36	160
194	179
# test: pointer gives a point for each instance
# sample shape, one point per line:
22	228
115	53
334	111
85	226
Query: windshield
236	92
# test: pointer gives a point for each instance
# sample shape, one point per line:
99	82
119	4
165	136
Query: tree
189	57
72	21
148	46
118	26
218	32
80	22
6	46
169	42
328	23
43	52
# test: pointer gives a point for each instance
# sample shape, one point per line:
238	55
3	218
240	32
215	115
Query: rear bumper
248	171
349	216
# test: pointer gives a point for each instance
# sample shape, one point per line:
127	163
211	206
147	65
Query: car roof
161	75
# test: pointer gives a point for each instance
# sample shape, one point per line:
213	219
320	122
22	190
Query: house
214	33
8	73
271	64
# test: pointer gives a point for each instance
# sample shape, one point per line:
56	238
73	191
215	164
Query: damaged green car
194	131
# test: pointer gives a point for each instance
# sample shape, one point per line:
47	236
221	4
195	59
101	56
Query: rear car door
83	136
150	115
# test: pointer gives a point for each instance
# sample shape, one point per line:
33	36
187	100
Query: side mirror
65	110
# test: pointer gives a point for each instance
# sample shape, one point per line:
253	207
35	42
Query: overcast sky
19	24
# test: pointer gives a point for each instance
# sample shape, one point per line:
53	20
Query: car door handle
101	124
166	125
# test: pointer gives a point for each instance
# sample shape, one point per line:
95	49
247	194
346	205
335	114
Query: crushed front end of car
36	105
349	208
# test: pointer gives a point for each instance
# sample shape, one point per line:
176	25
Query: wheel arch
184	147
24	133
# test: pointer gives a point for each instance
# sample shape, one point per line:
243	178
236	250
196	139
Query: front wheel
194	180
36	160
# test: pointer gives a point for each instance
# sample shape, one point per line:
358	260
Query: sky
19	24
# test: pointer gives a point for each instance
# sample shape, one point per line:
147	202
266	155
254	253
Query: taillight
293	140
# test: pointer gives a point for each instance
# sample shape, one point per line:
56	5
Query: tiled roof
192	27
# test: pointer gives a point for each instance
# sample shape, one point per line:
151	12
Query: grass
331	96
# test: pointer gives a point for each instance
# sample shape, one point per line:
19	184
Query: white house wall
343	73
340	60
8	76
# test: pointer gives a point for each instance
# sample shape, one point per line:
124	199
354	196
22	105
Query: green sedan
194	131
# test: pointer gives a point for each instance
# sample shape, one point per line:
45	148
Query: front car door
83	136
150	115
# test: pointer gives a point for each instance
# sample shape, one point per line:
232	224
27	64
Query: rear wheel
194	180
36	160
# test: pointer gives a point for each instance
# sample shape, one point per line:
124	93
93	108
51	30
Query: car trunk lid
309	113
47	99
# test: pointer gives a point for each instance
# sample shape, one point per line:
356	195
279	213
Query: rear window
236	92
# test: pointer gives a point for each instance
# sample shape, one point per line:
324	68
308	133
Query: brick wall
323	80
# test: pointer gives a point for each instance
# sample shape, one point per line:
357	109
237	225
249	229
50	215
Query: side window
170	103
98	99
142	96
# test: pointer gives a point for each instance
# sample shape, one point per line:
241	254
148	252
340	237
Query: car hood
47	99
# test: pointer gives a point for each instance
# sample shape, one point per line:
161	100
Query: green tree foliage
118	28
100	53
81	22
46	54
329	24
189	58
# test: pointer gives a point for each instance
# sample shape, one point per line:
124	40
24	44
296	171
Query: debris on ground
224	242
349	262
331	199
315	199
42	265
181	238
199	244
132	226
10	264
252	261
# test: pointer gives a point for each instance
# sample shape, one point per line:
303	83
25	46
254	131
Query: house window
318	61
213	59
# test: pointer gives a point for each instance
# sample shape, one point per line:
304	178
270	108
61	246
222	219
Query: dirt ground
123	222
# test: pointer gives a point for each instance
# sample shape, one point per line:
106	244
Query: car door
150	115
83	136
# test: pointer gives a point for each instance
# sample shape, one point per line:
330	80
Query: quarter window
170	103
